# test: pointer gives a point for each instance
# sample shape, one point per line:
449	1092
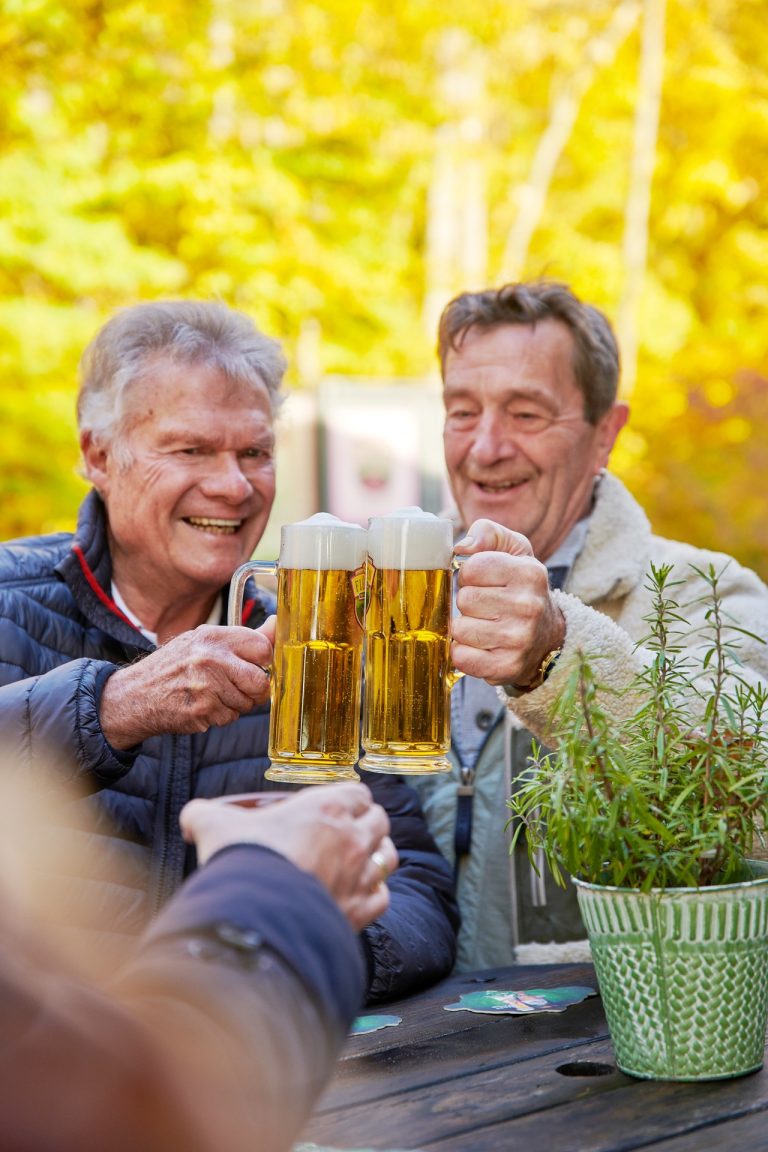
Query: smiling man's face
194	501
517	446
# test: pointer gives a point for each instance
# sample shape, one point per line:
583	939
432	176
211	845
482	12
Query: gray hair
135	340
596	359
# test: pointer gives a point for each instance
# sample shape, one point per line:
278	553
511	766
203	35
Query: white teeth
206	521
211	522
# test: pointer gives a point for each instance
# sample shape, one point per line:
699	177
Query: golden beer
408	667
314	723
315	717
408	673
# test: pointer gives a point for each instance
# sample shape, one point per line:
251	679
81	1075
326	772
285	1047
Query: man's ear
608	428
95	456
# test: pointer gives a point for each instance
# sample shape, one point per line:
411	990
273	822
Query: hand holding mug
208	676
509	621
337	833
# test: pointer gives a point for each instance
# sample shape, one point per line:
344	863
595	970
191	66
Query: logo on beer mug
408	672
361	587
314	725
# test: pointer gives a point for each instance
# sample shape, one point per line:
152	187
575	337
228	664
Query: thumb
488	536
268	628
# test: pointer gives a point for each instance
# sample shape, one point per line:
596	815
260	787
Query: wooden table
461	1082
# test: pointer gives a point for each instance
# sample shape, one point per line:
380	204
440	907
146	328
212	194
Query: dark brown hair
595	351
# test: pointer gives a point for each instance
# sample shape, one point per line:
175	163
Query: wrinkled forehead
165	383
515	357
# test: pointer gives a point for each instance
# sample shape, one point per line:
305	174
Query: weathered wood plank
635	1114
421	1018
420	1116
482	1042
459	1082
746	1134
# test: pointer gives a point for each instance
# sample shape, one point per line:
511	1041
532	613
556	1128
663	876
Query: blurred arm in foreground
222	1028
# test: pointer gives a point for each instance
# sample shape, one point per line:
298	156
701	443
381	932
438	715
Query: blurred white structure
358	447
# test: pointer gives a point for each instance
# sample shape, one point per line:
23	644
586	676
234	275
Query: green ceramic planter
683	974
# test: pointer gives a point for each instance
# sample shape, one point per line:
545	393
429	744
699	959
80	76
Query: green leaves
674	796
352	164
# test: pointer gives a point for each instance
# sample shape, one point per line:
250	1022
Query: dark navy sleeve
248	889
414	943
53	720
255	961
218	1033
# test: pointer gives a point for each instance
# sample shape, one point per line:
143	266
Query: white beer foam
322	543
410	539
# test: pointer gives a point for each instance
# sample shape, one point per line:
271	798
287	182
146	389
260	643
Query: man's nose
489	443
226	478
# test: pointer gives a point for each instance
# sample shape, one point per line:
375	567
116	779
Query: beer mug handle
454	675
237	587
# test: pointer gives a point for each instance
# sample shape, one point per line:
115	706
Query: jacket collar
87	572
614	558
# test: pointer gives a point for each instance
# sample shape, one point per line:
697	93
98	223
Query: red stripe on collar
95	587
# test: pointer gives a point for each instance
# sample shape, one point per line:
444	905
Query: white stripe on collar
213	618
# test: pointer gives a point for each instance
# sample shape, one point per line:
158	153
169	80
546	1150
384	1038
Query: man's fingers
367	907
489	570
195	816
488	536
373	825
188	818
384	856
341	798
267	629
254	645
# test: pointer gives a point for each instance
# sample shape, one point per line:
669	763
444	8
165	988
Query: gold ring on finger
377	858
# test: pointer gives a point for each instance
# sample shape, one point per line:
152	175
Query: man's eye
257	454
530	421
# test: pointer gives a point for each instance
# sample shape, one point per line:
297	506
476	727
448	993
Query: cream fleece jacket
606	600
508	911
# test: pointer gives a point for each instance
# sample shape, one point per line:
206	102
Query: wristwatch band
541	676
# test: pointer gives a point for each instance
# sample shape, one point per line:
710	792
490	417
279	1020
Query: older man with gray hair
114	661
558	558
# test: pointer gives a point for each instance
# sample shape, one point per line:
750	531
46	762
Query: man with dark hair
558	556
113	660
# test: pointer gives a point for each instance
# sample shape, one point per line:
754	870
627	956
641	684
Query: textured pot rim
691	890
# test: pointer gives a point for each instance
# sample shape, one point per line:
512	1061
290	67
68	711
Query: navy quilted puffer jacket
61	637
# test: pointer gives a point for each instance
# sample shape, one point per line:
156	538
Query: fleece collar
617	549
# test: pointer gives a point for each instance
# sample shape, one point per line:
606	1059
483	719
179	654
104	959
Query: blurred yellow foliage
345	166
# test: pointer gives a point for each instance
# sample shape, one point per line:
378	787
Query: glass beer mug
314	724
408	673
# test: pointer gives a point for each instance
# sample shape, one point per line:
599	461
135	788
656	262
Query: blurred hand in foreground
334	831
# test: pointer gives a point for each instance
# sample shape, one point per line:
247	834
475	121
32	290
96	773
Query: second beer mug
408	673
314	722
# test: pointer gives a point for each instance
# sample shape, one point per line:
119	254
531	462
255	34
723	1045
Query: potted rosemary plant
653	803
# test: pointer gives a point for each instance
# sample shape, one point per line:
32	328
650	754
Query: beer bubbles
316	677
406	713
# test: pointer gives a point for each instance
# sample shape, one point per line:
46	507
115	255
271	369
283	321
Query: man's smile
499	485
215	525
